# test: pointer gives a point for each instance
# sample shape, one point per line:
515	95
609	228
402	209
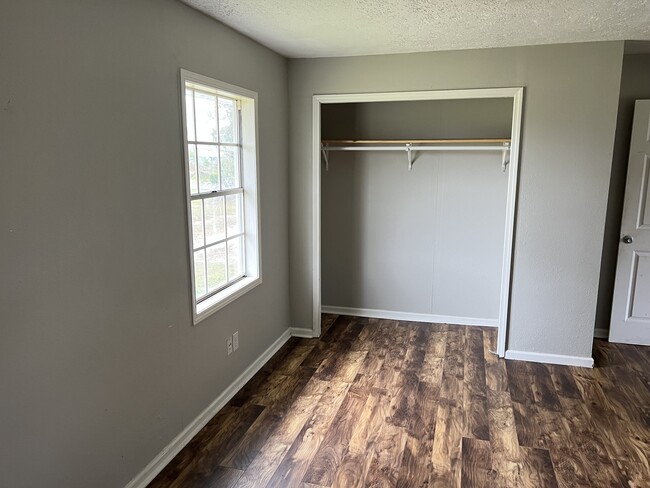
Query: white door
631	306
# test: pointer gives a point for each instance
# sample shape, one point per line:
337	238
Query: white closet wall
429	241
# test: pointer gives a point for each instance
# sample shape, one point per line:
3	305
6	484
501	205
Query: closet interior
413	208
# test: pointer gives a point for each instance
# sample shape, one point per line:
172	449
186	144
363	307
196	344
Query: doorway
516	97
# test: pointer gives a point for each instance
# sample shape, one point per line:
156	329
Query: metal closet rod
410	145
411	141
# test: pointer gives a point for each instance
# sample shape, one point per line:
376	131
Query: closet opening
414	204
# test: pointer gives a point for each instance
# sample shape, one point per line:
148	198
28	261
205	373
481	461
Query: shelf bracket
325	157
505	159
409	156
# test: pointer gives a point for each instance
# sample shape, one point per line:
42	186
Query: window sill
217	302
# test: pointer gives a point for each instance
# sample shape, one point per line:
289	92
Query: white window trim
250	183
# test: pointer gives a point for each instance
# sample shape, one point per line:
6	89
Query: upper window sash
204	109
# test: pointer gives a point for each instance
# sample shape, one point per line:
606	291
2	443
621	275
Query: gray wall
426	241
100	366
568	133
635	84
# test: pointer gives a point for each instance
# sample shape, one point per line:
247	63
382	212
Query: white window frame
247	106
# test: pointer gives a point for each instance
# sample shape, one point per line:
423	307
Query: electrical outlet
235	341
229	345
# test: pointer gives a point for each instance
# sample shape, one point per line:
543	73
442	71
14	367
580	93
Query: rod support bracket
505	159
409	156
323	151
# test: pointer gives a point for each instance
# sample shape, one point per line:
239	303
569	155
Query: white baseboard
601	333
181	440
301	332
411	317
537	357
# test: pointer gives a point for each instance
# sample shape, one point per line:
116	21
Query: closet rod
409	147
411	141
415	148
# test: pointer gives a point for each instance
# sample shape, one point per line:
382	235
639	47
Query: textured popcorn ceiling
316	28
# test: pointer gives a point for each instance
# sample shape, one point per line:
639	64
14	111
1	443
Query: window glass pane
234	213
216	266
229	167
235	264
208	157
199	273
197	223
191	156
205	106
189	112
227	120
215	220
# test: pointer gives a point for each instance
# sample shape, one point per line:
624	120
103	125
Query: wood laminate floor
382	403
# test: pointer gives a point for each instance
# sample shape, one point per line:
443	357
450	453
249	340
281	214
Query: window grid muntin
215	193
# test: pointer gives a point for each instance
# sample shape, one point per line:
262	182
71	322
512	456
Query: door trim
516	93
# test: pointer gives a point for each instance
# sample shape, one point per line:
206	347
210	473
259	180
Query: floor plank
417	463
323	468
538	469
477	464
354	467
260	471
304	448
506	459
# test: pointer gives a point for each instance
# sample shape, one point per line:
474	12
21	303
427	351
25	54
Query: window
221	187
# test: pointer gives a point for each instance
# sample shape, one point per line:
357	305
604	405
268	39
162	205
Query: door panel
644	214
641	281
631	305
